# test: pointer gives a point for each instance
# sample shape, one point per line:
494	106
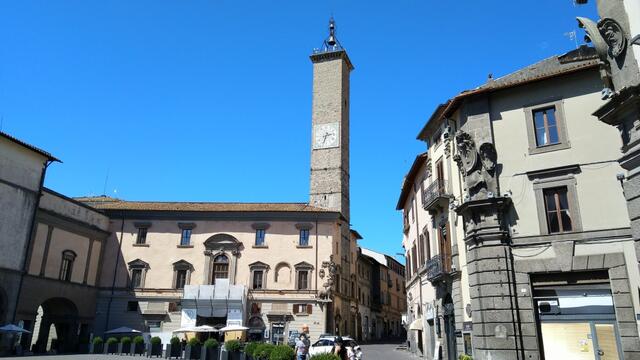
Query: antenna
572	36
106	179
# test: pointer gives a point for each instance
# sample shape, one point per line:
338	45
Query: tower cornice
332	55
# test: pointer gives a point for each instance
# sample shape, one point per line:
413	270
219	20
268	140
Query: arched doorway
56	327
256	328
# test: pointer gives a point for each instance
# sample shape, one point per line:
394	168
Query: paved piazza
371	352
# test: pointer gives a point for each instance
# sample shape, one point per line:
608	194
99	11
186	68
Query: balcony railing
437	267
435	195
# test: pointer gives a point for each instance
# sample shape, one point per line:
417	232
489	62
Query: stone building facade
550	257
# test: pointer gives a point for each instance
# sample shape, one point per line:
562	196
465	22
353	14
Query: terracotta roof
109	203
409	179
576	60
28	146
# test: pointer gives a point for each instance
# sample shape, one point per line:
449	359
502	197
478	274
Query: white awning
416	324
214	300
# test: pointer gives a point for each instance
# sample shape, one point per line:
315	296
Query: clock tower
330	126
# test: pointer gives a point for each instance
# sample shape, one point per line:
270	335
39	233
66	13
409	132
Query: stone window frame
142	227
183	227
68	256
561	125
554	178
138	264
259	266
181	265
300	267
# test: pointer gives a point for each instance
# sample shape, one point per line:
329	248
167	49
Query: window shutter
295	308
309	308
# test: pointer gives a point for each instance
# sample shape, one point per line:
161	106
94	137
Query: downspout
513	290
316	265
30	236
415	201
115	273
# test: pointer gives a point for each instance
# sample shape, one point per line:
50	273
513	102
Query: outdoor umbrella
10	328
123	330
201	328
234	328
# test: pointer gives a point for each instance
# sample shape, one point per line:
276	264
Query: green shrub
111	341
250	348
326	356
263	351
97	340
233	345
282	352
194	342
465	357
156	340
125	340
211	343
138	340
174	341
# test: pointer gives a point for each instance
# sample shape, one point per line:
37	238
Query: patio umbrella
201	328
234	328
10	328
123	330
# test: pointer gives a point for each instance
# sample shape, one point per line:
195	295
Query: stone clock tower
330	130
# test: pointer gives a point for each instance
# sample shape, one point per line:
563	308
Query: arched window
220	267
66	267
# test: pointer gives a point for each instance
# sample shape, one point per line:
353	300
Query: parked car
325	344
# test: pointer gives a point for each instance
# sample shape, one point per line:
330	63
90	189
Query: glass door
588	340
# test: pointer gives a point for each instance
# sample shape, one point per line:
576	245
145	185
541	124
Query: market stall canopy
123	330
10	328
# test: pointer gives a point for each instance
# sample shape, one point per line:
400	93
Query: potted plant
263	351
233	347
210	349
250	350
138	345
193	349
97	345
174	349
112	345
125	345
465	357
282	352
155	347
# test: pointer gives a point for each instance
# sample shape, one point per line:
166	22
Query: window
66	267
181	274
304	237
136	278
220	267
132	306
546	127
557	208
260	234
557	199
181	279
258	276
303	280
142	236
302	309
185	240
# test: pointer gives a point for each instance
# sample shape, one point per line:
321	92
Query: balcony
436	196
438	267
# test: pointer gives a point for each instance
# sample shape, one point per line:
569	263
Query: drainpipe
115	273
513	290
317	270
420	265
30	236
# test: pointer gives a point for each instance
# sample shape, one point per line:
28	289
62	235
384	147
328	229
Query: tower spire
331	43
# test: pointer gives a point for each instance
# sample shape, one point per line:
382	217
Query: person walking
301	348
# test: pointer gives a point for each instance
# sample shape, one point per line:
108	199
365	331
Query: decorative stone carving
330	269
614	36
477	165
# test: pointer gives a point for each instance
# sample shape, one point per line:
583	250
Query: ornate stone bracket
477	166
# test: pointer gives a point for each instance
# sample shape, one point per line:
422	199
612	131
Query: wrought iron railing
437	267
435	190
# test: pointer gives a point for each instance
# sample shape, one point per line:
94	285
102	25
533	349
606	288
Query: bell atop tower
331	43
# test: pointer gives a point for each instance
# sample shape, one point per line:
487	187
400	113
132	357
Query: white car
326	343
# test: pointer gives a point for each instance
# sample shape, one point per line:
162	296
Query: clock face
326	136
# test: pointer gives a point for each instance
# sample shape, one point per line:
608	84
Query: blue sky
211	100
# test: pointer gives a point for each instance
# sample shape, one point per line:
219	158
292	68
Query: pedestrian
301	348
340	349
